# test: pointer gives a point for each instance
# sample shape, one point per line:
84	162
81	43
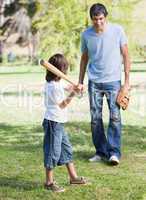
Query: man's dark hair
98	9
60	62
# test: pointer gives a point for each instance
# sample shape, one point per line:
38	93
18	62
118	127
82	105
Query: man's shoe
114	160
95	158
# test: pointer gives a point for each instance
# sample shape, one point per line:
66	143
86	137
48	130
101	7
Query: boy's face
99	21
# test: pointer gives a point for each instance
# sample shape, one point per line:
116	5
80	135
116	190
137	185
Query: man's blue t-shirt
104	64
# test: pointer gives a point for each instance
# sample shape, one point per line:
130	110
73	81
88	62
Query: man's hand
123	97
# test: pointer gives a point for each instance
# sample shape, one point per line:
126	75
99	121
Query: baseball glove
123	98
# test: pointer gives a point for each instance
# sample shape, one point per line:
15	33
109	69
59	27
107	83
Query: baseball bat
55	71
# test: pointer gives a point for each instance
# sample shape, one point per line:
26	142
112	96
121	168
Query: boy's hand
80	88
69	88
76	89
72	88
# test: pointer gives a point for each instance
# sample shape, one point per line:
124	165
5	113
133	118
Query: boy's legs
66	156
71	171
52	152
50	184
57	151
49	176
74	178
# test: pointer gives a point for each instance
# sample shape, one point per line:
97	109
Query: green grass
21	138
21	169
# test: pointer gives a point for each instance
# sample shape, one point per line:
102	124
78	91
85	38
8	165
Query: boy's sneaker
95	158
79	181
114	160
54	187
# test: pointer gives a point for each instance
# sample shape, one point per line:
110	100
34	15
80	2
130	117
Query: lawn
21	137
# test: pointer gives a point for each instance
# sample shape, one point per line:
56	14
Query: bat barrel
54	70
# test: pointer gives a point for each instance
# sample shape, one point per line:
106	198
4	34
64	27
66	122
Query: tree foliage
61	22
60	27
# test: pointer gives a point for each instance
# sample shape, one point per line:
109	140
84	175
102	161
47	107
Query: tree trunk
1	13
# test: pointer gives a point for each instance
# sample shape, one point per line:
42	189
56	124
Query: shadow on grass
21	138
19	184
7	128
26	138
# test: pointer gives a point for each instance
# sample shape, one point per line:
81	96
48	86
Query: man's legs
114	127
97	128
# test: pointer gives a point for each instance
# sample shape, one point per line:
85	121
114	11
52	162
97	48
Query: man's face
99	21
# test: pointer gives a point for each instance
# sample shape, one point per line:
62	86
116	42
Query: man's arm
127	64
83	66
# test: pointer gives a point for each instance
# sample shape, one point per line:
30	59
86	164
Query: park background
37	29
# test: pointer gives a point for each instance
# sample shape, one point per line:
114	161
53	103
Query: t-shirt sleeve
83	44
123	38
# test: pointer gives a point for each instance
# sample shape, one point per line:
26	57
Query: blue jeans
56	146
108	144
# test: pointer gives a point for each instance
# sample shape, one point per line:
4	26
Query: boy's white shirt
54	95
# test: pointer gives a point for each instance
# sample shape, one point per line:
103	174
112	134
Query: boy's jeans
56	145
106	145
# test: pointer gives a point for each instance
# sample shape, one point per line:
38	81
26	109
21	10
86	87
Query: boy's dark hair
98	9
60	62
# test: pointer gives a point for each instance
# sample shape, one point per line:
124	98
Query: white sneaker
114	160
95	158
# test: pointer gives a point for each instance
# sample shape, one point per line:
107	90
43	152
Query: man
102	46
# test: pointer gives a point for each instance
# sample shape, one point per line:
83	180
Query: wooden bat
55	71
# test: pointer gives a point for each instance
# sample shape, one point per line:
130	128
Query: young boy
57	148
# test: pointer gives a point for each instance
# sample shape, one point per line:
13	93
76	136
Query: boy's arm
66	101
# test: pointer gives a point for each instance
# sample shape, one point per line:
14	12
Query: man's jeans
106	145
